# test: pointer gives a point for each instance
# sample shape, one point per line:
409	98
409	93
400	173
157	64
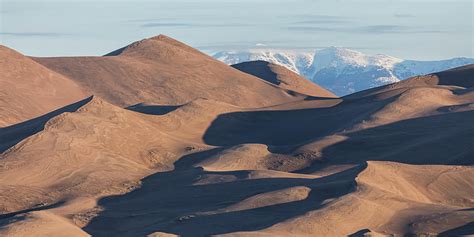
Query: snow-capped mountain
344	71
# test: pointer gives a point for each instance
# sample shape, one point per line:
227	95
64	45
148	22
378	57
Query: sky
409	29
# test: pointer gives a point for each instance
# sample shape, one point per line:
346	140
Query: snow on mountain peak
336	56
295	61
342	70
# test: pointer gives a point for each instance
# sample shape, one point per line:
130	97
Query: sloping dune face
76	154
28	89
395	160
283	77
161	70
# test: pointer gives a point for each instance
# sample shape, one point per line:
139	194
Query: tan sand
28	89
230	154
161	70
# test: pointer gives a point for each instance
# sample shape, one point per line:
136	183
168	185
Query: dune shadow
188	161
465	230
285	127
360	233
312	98
457	76
260	69
11	135
187	201
444	139
153	109
38	208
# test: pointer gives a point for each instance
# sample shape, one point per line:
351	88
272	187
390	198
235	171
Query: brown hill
28	89
283	77
161	70
94	151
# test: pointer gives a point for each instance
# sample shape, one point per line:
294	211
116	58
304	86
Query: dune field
159	139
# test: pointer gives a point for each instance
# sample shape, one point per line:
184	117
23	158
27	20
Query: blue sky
418	29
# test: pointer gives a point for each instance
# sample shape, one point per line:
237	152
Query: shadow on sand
286	127
405	141
175	202
465	230
184	201
10	136
153	109
38	208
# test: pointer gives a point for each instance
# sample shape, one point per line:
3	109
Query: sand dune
375	206
283	77
28	89
40	223
230	154
242	157
76	155
161	70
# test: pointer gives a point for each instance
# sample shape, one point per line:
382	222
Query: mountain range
343	71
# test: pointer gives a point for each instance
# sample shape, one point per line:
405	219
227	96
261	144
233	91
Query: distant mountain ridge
344	71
